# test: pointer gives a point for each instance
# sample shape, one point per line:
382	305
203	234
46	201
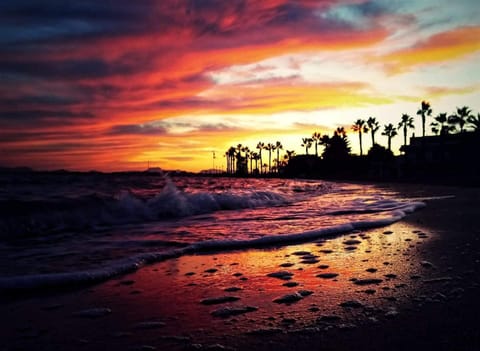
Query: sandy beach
411	285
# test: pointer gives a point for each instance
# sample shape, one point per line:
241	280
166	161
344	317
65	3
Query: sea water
64	229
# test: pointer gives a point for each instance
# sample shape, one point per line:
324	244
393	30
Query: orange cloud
442	47
433	92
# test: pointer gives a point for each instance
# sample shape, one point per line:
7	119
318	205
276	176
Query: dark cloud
70	69
137	129
24	115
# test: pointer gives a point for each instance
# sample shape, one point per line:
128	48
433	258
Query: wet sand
411	285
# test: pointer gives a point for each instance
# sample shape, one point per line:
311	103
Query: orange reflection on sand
173	290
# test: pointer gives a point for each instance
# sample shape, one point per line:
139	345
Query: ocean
68	229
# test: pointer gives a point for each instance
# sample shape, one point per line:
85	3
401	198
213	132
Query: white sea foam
397	210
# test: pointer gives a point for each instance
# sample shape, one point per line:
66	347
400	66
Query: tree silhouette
247	155
231	159
316	139
307	144
440	125
278	147
374	126
460	118
260	147
389	131
289	154
254	157
360	126
337	147
424	111
474	122
405	123
270	147
341	131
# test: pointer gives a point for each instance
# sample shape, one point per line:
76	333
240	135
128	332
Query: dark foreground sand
414	285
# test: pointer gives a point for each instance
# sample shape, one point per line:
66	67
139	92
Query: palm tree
260	147
341	131
461	117
440	124
270	147
374	126
307	144
231	158
474	122
405	123
389	131
278	147
316	139
247	155
255	157
360	126
424	111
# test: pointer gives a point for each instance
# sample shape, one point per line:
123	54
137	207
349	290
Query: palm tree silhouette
278	147
341	131
374	126
307	144
440	125
270	147
254	156
389	131
405	123
461	117
231	157
316	139
424	111
260	147
247	155
474	122
360	126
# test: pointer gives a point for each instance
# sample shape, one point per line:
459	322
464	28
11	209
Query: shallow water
72	228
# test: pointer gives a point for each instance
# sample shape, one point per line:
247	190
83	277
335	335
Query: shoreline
124	304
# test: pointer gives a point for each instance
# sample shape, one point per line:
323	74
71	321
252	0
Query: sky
112	85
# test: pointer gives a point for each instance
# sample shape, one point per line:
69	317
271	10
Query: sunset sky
110	85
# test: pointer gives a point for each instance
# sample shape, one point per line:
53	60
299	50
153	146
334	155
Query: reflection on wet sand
357	278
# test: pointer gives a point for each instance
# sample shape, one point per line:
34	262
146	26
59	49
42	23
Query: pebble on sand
218	300
327	275
371	270
226	312
351	304
329	318
284	275
301	253
211	270
232	289
309	261
351	242
289	298
290	284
